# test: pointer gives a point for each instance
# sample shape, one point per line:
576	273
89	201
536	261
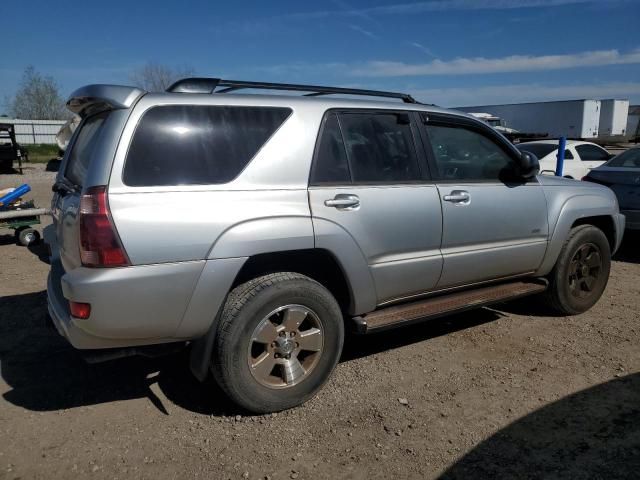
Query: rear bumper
632	218
139	305
113	322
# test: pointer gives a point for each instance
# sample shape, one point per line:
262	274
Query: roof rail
209	85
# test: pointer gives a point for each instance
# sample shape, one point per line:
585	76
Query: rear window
540	150
592	153
197	145
83	147
628	159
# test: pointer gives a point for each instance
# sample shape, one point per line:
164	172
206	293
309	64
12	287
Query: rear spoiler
95	98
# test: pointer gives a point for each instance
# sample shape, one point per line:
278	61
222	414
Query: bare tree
37	98
154	77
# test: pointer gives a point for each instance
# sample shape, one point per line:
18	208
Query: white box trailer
613	118
576	119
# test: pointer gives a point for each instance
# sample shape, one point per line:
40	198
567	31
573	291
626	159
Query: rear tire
581	273
27	236
278	340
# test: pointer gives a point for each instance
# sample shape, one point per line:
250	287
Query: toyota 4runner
257	228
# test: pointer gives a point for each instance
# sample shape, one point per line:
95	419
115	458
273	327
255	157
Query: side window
330	165
197	144
592	153
380	147
568	155
463	154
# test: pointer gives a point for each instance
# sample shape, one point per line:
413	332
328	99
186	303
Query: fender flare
572	210
232	249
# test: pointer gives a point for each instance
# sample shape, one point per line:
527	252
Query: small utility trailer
20	216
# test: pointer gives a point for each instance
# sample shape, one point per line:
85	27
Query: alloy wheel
285	346
584	270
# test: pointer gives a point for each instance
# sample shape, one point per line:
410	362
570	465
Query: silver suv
258	228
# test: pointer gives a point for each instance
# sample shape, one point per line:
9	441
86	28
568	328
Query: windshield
540	150
628	159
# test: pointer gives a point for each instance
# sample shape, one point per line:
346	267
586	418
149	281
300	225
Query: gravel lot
504	392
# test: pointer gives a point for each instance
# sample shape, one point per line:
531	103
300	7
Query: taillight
99	242
80	310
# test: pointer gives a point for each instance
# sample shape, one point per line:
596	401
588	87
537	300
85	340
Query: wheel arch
581	210
319	264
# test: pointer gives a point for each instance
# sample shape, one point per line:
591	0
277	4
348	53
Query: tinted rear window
198	145
82	149
540	150
380	147
592	153
628	159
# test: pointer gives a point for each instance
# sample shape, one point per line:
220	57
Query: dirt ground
503	392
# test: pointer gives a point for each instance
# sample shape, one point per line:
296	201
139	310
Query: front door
494	226
369	180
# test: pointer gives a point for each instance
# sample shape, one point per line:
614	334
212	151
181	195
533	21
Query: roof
118	96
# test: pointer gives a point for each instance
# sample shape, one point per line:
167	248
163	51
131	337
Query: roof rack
209	85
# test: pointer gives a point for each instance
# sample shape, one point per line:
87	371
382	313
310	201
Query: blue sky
448	52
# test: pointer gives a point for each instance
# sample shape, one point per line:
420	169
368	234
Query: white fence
29	132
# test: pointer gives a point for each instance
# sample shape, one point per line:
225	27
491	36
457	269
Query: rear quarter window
198	144
540	150
82	149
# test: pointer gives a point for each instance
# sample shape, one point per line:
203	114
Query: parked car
579	157
622	175
257	228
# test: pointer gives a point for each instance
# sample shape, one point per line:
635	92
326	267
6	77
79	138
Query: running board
458	301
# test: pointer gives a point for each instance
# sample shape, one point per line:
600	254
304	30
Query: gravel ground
503	392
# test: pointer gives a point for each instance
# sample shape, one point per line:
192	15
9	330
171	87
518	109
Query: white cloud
482	65
499	94
423	49
442	5
361	30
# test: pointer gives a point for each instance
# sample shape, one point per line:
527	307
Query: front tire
581	272
278	339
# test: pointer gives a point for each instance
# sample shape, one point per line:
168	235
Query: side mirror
529	165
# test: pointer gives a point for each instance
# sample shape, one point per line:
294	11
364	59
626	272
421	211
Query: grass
41	152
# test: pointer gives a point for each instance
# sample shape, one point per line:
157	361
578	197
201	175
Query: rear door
69	183
493	225
369	178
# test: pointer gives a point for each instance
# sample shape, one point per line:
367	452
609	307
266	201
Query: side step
413	312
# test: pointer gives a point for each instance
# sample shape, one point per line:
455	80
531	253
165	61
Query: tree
37	98
154	77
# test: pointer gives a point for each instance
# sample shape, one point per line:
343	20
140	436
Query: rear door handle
343	201
460	197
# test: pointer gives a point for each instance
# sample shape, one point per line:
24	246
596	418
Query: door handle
345	201
459	197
